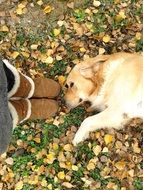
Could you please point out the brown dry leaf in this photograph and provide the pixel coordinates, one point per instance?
(67, 184)
(70, 5)
(9, 161)
(78, 28)
(136, 147)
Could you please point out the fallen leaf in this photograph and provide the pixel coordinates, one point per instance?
(9, 161)
(48, 9)
(15, 54)
(106, 38)
(67, 184)
(61, 175)
(108, 138)
(68, 147)
(96, 3)
(44, 183)
(25, 54)
(74, 168)
(120, 165)
(19, 185)
(56, 31)
(4, 28)
(61, 79)
(90, 166)
(97, 149)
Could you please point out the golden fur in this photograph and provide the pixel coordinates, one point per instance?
(113, 84)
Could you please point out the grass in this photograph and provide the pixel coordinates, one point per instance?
(34, 141)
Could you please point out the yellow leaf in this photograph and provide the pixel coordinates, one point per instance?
(74, 168)
(37, 139)
(82, 50)
(61, 175)
(97, 149)
(138, 35)
(25, 54)
(49, 60)
(96, 3)
(108, 138)
(40, 2)
(19, 185)
(61, 79)
(44, 183)
(47, 9)
(4, 28)
(90, 166)
(55, 146)
(122, 14)
(56, 32)
(21, 6)
(19, 11)
(34, 46)
(50, 187)
(68, 147)
(14, 54)
(50, 158)
(106, 38)
(120, 165)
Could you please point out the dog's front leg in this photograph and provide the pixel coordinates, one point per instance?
(109, 118)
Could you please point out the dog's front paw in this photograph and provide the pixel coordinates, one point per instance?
(82, 133)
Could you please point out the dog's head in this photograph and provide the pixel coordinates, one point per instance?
(84, 80)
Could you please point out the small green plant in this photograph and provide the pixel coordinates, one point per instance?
(138, 184)
(79, 15)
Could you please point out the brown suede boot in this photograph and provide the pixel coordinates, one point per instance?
(24, 109)
(22, 86)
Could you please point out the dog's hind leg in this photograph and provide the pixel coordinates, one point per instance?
(109, 118)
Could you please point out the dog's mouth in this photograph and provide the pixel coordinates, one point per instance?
(88, 106)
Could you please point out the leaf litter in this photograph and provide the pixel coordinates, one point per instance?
(46, 38)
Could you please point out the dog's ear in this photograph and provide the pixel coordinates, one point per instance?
(90, 66)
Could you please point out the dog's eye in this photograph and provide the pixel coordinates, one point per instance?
(80, 100)
(71, 84)
(66, 86)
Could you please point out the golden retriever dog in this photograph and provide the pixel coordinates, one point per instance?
(113, 84)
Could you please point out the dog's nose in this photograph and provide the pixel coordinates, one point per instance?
(87, 104)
